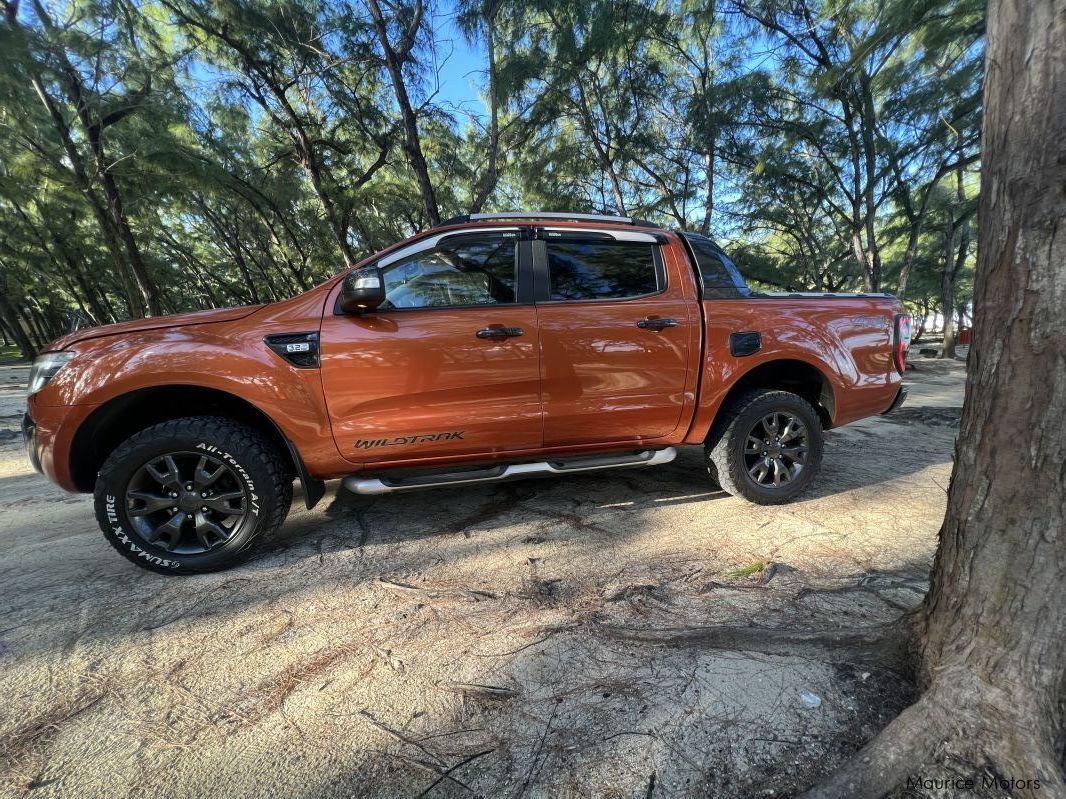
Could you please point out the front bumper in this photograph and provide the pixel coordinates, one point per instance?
(48, 432)
(29, 438)
(901, 397)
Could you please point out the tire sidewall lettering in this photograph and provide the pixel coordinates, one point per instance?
(119, 532)
(111, 508)
(218, 452)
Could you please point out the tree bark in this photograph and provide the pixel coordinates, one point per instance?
(993, 648)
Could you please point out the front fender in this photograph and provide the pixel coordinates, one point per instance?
(229, 357)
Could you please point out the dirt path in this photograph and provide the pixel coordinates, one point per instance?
(467, 641)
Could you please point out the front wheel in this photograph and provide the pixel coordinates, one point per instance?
(766, 446)
(192, 495)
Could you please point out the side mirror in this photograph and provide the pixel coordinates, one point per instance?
(363, 290)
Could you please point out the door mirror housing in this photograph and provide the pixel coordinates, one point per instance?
(363, 290)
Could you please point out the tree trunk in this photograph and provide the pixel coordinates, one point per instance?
(867, 122)
(146, 286)
(14, 326)
(993, 649)
(953, 264)
(708, 189)
(916, 221)
(947, 293)
(394, 58)
(491, 175)
(859, 254)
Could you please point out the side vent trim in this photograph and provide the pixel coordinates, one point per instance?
(298, 349)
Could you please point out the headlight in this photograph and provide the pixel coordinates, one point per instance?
(44, 369)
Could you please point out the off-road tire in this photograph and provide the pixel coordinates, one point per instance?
(254, 461)
(726, 442)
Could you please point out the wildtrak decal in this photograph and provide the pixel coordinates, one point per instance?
(399, 441)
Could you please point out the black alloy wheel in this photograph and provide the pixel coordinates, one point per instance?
(765, 446)
(193, 495)
(776, 450)
(186, 502)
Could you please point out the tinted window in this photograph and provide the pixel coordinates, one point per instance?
(721, 280)
(598, 270)
(467, 270)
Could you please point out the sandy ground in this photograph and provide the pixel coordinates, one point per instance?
(471, 641)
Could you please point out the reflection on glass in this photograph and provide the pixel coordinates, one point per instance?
(595, 270)
(472, 271)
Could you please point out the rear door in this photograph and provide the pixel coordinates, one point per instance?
(616, 333)
(449, 365)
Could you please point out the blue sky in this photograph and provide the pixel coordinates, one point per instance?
(462, 70)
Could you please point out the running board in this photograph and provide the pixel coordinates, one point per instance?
(494, 474)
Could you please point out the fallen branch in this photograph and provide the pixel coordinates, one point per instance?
(432, 768)
(480, 691)
(422, 594)
(446, 775)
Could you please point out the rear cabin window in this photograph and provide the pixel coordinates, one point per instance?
(721, 280)
(601, 270)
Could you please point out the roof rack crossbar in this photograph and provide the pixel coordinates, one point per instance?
(624, 220)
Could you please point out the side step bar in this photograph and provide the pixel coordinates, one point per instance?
(494, 474)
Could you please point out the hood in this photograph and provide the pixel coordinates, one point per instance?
(155, 323)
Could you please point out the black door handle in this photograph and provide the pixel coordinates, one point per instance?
(655, 323)
(500, 332)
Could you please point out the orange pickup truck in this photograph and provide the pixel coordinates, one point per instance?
(493, 346)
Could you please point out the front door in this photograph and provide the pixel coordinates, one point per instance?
(615, 336)
(448, 365)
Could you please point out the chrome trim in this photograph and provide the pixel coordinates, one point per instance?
(617, 235)
(375, 486)
(625, 220)
(433, 241)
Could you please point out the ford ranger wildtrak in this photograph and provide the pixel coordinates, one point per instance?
(494, 346)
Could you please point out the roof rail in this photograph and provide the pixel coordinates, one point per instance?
(624, 220)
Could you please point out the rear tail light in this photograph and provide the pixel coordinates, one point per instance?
(901, 340)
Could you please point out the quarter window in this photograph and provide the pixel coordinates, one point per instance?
(720, 277)
(463, 270)
(600, 270)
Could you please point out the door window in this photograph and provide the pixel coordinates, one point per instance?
(601, 270)
(461, 270)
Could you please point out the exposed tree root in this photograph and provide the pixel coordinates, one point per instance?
(885, 762)
(1006, 751)
(885, 645)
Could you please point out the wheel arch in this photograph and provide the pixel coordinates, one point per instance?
(789, 374)
(118, 419)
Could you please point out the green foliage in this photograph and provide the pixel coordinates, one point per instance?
(158, 155)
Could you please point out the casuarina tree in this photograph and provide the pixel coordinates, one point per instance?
(992, 637)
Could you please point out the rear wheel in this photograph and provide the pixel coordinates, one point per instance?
(192, 495)
(766, 446)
